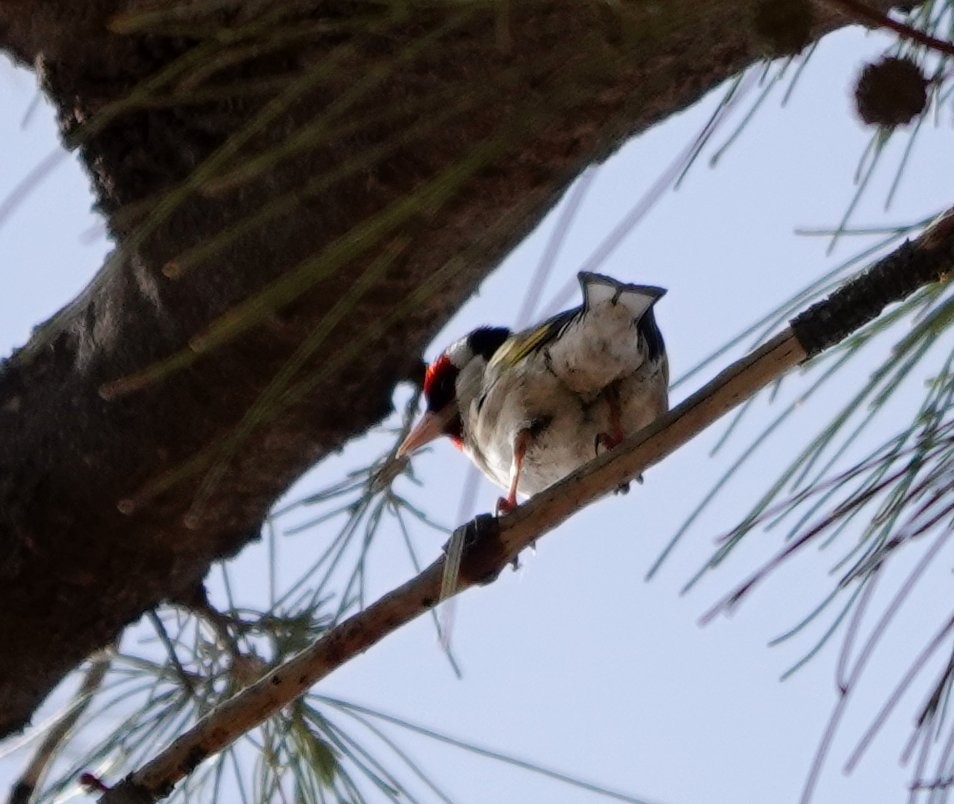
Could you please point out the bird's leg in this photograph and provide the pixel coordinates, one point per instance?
(615, 434)
(506, 504)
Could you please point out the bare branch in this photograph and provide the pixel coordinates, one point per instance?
(491, 543)
(874, 17)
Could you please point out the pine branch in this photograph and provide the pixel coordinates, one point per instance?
(875, 17)
(490, 544)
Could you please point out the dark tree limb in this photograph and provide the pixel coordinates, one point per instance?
(225, 149)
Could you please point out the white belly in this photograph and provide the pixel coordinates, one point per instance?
(564, 425)
(596, 350)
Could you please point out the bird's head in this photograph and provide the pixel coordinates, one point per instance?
(450, 383)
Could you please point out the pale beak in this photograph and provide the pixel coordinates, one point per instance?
(430, 426)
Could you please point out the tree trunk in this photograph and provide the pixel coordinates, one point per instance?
(333, 178)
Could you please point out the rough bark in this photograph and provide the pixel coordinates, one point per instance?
(107, 504)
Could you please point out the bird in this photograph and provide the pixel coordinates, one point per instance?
(530, 407)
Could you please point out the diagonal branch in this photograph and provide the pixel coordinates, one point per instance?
(492, 543)
(874, 17)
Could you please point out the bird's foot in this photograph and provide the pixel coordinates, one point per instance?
(623, 488)
(505, 505)
(607, 440)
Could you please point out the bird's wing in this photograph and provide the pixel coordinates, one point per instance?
(596, 288)
(522, 344)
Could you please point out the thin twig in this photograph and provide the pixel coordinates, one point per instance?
(219, 622)
(187, 683)
(857, 9)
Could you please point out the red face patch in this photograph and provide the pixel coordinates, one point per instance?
(435, 377)
(440, 392)
(440, 384)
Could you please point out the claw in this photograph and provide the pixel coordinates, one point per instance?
(607, 440)
(505, 504)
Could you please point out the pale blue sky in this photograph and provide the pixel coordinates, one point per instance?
(575, 662)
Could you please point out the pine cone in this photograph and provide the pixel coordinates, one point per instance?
(891, 93)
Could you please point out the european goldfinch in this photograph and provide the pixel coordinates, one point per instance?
(530, 407)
